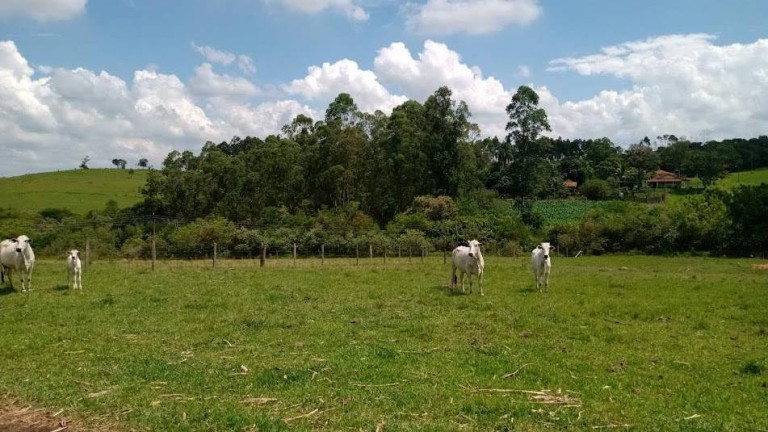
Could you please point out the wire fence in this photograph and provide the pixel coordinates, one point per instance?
(153, 238)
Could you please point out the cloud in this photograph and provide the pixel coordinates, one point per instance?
(207, 83)
(681, 84)
(524, 71)
(437, 66)
(53, 121)
(245, 64)
(352, 10)
(323, 83)
(214, 55)
(43, 10)
(475, 17)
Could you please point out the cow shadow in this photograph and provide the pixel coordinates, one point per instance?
(447, 291)
(61, 287)
(5, 290)
(530, 289)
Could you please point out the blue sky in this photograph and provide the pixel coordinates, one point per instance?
(557, 47)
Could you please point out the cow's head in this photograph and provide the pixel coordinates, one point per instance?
(22, 243)
(474, 248)
(74, 254)
(545, 248)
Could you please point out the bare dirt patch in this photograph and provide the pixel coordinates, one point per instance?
(17, 417)
(761, 266)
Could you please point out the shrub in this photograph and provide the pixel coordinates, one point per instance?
(596, 189)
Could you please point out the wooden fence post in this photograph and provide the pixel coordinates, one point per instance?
(87, 253)
(154, 252)
(357, 255)
(263, 257)
(409, 254)
(214, 255)
(322, 254)
(294, 254)
(370, 251)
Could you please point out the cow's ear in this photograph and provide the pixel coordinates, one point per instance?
(15, 240)
(29, 241)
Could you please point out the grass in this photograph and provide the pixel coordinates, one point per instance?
(569, 210)
(656, 343)
(78, 190)
(751, 178)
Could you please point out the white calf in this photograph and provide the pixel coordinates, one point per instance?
(467, 260)
(17, 255)
(542, 264)
(74, 270)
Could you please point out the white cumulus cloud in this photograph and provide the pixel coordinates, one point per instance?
(43, 10)
(681, 84)
(469, 16)
(214, 55)
(325, 82)
(52, 122)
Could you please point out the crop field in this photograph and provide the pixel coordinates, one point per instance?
(78, 190)
(619, 343)
(559, 211)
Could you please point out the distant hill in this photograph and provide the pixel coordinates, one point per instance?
(78, 190)
(754, 177)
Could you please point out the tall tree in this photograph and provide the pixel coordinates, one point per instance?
(526, 123)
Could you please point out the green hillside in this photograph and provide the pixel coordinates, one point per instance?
(77, 190)
(754, 177)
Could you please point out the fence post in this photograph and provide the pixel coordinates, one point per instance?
(322, 254)
(294, 254)
(398, 251)
(214, 254)
(154, 246)
(423, 252)
(357, 255)
(370, 251)
(263, 257)
(87, 253)
(444, 254)
(409, 254)
(385, 255)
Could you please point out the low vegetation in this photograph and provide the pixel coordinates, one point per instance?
(643, 343)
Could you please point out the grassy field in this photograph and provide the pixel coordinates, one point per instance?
(752, 178)
(638, 343)
(77, 190)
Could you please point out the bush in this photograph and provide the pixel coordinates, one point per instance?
(596, 189)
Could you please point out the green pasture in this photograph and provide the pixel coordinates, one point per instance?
(78, 190)
(635, 342)
(750, 178)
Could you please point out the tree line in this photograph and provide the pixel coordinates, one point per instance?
(383, 162)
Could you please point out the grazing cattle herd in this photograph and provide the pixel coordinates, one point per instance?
(16, 255)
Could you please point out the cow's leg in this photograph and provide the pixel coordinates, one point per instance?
(463, 289)
(29, 280)
(547, 279)
(470, 282)
(480, 276)
(538, 281)
(453, 278)
(21, 278)
(9, 275)
(80, 280)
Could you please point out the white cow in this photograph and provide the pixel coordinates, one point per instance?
(542, 264)
(17, 255)
(74, 269)
(468, 260)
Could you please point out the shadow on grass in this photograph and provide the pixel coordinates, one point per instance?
(529, 289)
(5, 290)
(449, 292)
(61, 287)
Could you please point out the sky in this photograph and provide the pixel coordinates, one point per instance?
(136, 79)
